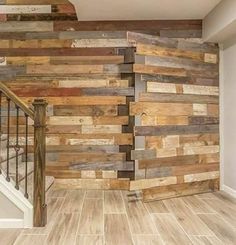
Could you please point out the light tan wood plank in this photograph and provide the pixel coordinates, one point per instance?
(147, 240)
(186, 218)
(117, 230)
(94, 194)
(205, 240)
(222, 229)
(30, 239)
(89, 240)
(156, 207)
(113, 202)
(73, 201)
(64, 230)
(139, 219)
(226, 211)
(196, 205)
(9, 236)
(169, 229)
(91, 220)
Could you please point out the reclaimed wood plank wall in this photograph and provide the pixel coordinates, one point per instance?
(84, 70)
(177, 116)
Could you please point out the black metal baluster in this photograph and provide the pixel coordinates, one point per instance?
(0, 112)
(0, 124)
(26, 156)
(17, 148)
(8, 136)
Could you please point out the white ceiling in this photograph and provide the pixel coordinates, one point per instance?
(143, 9)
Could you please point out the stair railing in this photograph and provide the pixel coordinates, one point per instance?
(9, 101)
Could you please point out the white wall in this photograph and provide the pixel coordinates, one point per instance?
(228, 108)
(8, 210)
(220, 24)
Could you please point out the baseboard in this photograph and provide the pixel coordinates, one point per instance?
(229, 190)
(11, 223)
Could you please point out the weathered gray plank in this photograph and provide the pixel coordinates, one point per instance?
(175, 130)
(165, 97)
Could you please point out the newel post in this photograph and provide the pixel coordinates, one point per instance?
(40, 207)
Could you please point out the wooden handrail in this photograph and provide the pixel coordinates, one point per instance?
(38, 115)
(15, 99)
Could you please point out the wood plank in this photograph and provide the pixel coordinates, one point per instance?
(201, 176)
(147, 239)
(9, 236)
(149, 183)
(148, 69)
(24, 9)
(96, 110)
(156, 207)
(197, 205)
(73, 201)
(113, 202)
(170, 230)
(85, 100)
(54, 51)
(15, 26)
(91, 220)
(64, 229)
(90, 240)
(211, 240)
(223, 230)
(190, 222)
(118, 232)
(161, 109)
(184, 189)
(138, 25)
(226, 211)
(96, 184)
(178, 98)
(139, 219)
(143, 154)
(28, 239)
(174, 130)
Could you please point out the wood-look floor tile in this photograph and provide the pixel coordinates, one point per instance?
(139, 218)
(170, 230)
(91, 220)
(226, 211)
(54, 207)
(64, 230)
(147, 240)
(190, 222)
(8, 236)
(113, 202)
(30, 239)
(206, 196)
(57, 192)
(89, 240)
(73, 201)
(225, 197)
(197, 205)
(156, 207)
(94, 194)
(223, 230)
(205, 240)
(117, 230)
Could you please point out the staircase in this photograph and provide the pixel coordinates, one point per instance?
(24, 176)
(22, 163)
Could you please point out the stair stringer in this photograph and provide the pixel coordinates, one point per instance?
(18, 199)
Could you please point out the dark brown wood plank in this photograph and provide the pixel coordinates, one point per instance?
(128, 25)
